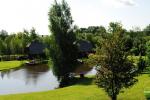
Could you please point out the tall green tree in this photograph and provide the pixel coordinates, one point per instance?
(147, 30)
(63, 50)
(148, 51)
(3, 34)
(33, 34)
(139, 47)
(114, 70)
(115, 27)
(1, 47)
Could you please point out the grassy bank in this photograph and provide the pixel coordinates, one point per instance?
(10, 64)
(85, 90)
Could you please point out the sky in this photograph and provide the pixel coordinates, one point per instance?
(16, 15)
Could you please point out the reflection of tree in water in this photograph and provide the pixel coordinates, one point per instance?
(81, 70)
(30, 74)
(7, 72)
(34, 72)
(2, 73)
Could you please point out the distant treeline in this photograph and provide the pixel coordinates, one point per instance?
(136, 39)
(15, 44)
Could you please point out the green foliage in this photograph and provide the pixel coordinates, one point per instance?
(92, 34)
(47, 53)
(114, 70)
(114, 27)
(147, 93)
(148, 49)
(33, 34)
(141, 64)
(138, 43)
(63, 51)
(147, 30)
(17, 42)
(3, 34)
(128, 42)
(1, 47)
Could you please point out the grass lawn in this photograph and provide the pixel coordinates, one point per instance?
(85, 90)
(147, 93)
(10, 64)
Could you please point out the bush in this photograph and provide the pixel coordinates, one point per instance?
(141, 64)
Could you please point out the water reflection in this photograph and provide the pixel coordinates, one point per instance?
(27, 79)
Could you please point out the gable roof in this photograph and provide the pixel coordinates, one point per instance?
(36, 47)
(84, 46)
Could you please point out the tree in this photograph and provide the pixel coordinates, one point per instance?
(141, 64)
(8, 46)
(114, 70)
(3, 34)
(93, 29)
(147, 30)
(1, 47)
(63, 51)
(128, 42)
(148, 51)
(138, 44)
(115, 27)
(33, 34)
(101, 30)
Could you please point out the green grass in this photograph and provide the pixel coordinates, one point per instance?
(85, 90)
(137, 91)
(147, 93)
(10, 64)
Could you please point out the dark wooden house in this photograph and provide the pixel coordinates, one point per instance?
(84, 48)
(35, 49)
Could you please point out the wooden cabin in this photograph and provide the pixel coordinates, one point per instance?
(84, 48)
(35, 49)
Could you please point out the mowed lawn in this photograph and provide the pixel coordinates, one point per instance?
(10, 64)
(85, 90)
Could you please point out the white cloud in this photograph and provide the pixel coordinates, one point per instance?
(118, 3)
(127, 2)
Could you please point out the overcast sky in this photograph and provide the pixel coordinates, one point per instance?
(16, 15)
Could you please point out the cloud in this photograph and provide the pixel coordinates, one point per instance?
(118, 3)
(127, 2)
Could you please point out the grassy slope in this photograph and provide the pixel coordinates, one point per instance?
(10, 64)
(137, 91)
(85, 91)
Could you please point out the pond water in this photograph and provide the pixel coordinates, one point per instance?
(29, 79)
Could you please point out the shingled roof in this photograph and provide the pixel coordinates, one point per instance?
(35, 47)
(84, 46)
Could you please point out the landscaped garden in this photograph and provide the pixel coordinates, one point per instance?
(85, 90)
(72, 62)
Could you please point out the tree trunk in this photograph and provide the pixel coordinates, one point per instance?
(81, 75)
(114, 97)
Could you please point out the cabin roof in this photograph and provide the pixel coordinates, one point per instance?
(35, 47)
(84, 46)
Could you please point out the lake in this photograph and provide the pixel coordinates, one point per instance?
(29, 79)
